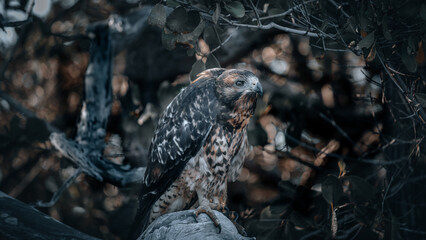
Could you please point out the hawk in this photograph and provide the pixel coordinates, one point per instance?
(199, 144)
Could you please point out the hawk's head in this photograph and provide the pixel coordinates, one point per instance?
(236, 89)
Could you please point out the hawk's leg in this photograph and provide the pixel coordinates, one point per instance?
(207, 210)
(204, 207)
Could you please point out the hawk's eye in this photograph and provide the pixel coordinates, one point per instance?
(239, 83)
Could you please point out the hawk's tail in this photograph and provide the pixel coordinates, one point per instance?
(142, 216)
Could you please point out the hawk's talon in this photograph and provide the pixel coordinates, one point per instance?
(195, 217)
(226, 211)
(236, 216)
(233, 216)
(210, 213)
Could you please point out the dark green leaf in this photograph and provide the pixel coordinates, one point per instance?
(197, 68)
(157, 17)
(192, 37)
(213, 35)
(361, 190)
(235, 8)
(193, 21)
(212, 62)
(331, 189)
(172, 3)
(423, 12)
(216, 13)
(367, 41)
(177, 19)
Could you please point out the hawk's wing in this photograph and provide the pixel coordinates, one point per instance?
(180, 134)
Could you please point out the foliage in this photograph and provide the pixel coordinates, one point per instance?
(380, 30)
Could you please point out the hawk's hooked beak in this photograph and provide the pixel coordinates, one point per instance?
(258, 89)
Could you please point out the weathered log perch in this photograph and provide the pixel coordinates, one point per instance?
(183, 226)
(20, 221)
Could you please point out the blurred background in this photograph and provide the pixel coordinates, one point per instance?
(329, 159)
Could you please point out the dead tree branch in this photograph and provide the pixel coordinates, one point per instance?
(57, 194)
(87, 149)
(20, 221)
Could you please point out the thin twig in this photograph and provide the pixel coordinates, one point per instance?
(339, 7)
(388, 187)
(364, 160)
(263, 27)
(411, 101)
(255, 13)
(19, 188)
(58, 193)
(341, 131)
(224, 42)
(295, 158)
(284, 13)
(273, 25)
(412, 230)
